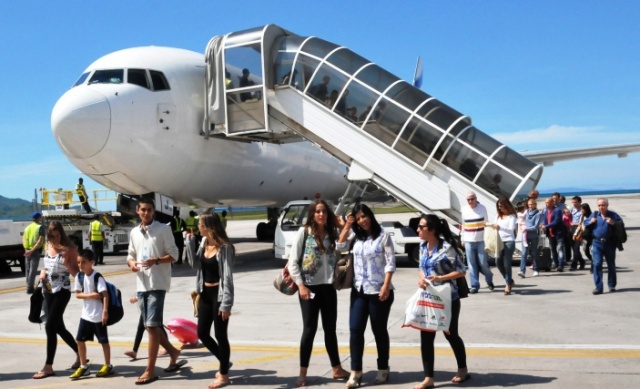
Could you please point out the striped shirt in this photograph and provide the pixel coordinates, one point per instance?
(473, 220)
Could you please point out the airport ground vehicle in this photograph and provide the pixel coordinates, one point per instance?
(59, 205)
(294, 215)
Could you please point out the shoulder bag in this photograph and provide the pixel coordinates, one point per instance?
(283, 281)
(343, 272)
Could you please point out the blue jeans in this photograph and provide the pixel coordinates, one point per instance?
(363, 307)
(532, 248)
(557, 250)
(503, 262)
(608, 251)
(151, 306)
(477, 261)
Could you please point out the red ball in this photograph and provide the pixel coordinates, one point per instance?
(534, 194)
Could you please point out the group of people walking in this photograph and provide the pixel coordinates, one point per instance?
(568, 230)
(313, 256)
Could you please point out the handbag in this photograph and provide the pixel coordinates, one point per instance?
(35, 308)
(283, 281)
(343, 273)
(463, 287)
(429, 309)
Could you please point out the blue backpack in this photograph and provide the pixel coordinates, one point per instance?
(115, 309)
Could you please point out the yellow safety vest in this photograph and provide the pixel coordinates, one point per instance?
(178, 225)
(96, 233)
(191, 222)
(31, 235)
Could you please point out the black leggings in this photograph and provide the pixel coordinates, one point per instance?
(325, 301)
(56, 304)
(208, 315)
(140, 332)
(427, 338)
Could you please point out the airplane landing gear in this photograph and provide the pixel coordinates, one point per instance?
(266, 231)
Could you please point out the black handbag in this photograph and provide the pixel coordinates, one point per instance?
(35, 310)
(463, 287)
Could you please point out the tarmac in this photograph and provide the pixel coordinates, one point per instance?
(550, 333)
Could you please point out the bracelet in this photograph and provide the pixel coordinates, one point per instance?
(158, 261)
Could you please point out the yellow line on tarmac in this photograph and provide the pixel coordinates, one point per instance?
(489, 352)
(23, 288)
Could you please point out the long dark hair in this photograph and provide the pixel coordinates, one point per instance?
(586, 209)
(508, 207)
(212, 222)
(440, 228)
(64, 239)
(361, 234)
(330, 227)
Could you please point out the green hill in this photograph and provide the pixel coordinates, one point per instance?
(16, 209)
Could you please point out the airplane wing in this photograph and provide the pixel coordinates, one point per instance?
(547, 158)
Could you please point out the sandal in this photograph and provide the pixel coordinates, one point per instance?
(76, 364)
(43, 374)
(218, 383)
(301, 381)
(458, 379)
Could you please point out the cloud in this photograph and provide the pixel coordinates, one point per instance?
(563, 137)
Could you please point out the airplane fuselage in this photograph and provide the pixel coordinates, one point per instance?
(137, 138)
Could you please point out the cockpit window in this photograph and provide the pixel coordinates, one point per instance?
(111, 76)
(82, 79)
(137, 77)
(159, 80)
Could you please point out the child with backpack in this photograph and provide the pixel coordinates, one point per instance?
(92, 288)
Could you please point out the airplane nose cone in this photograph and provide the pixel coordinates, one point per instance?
(81, 121)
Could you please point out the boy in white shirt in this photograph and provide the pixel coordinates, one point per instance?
(94, 315)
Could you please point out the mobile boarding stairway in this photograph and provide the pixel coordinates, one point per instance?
(387, 131)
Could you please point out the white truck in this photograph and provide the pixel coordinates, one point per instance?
(78, 227)
(294, 215)
(11, 249)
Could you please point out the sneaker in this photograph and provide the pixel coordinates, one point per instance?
(535, 273)
(81, 372)
(473, 290)
(490, 285)
(105, 371)
(521, 274)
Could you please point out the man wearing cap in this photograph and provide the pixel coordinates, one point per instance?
(32, 241)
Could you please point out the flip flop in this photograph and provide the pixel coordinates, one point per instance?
(461, 379)
(148, 380)
(41, 374)
(176, 366)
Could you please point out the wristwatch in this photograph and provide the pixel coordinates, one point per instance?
(158, 261)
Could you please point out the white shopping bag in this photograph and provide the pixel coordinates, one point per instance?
(429, 309)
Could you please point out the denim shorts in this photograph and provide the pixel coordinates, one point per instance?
(151, 306)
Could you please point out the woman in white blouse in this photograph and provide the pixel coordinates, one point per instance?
(506, 223)
(372, 292)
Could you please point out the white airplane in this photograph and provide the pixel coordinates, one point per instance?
(142, 120)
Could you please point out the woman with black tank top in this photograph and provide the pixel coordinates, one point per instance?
(214, 282)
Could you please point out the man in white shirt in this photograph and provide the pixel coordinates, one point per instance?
(152, 250)
(474, 219)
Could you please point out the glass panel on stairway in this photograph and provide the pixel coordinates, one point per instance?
(318, 47)
(346, 60)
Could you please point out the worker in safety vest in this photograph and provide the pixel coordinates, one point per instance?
(97, 240)
(178, 227)
(192, 226)
(33, 241)
(82, 196)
